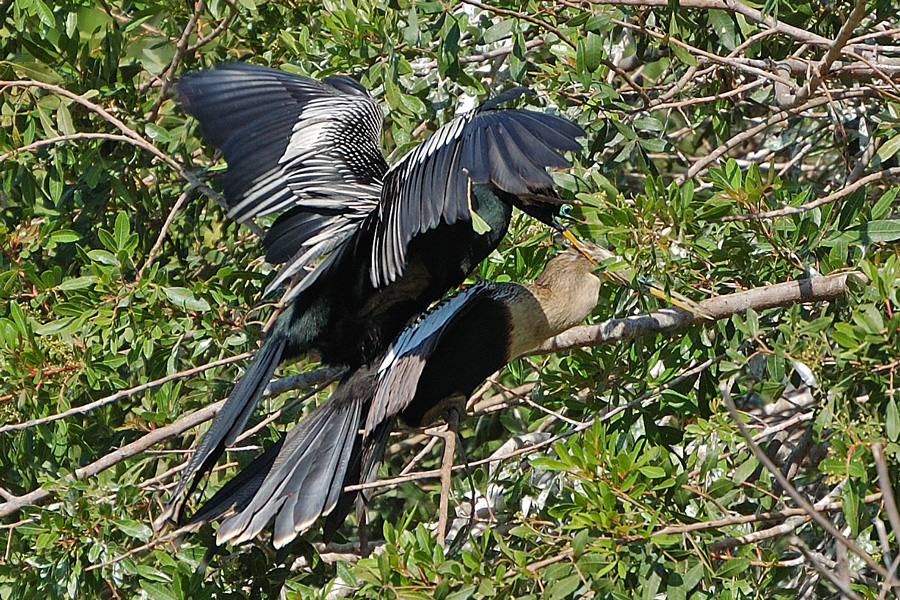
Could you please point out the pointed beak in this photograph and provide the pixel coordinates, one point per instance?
(597, 254)
(581, 246)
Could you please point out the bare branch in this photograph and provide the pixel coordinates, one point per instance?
(157, 436)
(217, 30)
(669, 319)
(834, 51)
(793, 210)
(742, 137)
(66, 138)
(884, 481)
(136, 138)
(151, 256)
(731, 6)
(180, 47)
(80, 410)
(788, 487)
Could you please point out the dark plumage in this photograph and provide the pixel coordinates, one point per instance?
(389, 241)
(442, 357)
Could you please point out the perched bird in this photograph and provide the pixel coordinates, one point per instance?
(389, 241)
(432, 366)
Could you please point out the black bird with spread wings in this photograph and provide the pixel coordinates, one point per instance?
(364, 247)
(435, 362)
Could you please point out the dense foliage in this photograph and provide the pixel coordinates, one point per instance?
(126, 290)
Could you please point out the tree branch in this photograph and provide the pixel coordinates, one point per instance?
(799, 498)
(793, 210)
(721, 307)
(834, 51)
(157, 436)
(136, 138)
(80, 410)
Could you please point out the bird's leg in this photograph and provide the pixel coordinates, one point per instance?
(361, 525)
(452, 410)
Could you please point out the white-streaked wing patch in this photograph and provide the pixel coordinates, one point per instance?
(400, 369)
(413, 198)
(292, 143)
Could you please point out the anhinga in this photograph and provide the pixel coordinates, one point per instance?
(389, 241)
(432, 367)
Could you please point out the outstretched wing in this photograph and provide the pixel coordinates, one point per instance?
(309, 149)
(508, 149)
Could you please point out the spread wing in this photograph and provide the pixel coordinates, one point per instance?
(305, 148)
(507, 149)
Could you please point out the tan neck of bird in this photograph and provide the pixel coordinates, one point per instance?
(561, 297)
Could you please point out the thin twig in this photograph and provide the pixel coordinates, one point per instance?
(794, 210)
(788, 487)
(217, 30)
(66, 138)
(156, 436)
(884, 481)
(136, 138)
(834, 51)
(80, 410)
(826, 571)
(180, 47)
(752, 132)
(151, 256)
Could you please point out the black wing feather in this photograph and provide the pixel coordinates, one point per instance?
(291, 141)
(485, 148)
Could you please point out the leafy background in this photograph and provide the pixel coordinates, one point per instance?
(128, 296)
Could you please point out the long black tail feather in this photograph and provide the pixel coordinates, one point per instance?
(305, 479)
(230, 421)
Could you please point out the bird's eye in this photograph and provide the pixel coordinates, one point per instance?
(565, 210)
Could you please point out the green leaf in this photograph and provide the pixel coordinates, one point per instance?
(745, 470)
(104, 257)
(157, 591)
(888, 149)
(517, 59)
(593, 51)
(564, 587)
(850, 505)
(65, 236)
(156, 133)
(683, 55)
(53, 327)
(693, 576)
(18, 317)
(184, 298)
(892, 422)
(134, 529)
(883, 206)
(499, 31)
(29, 69)
(44, 12)
(122, 230)
(478, 224)
(579, 542)
(878, 231)
(64, 120)
(652, 472)
(733, 568)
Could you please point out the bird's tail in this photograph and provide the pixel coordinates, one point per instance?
(231, 419)
(298, 481)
